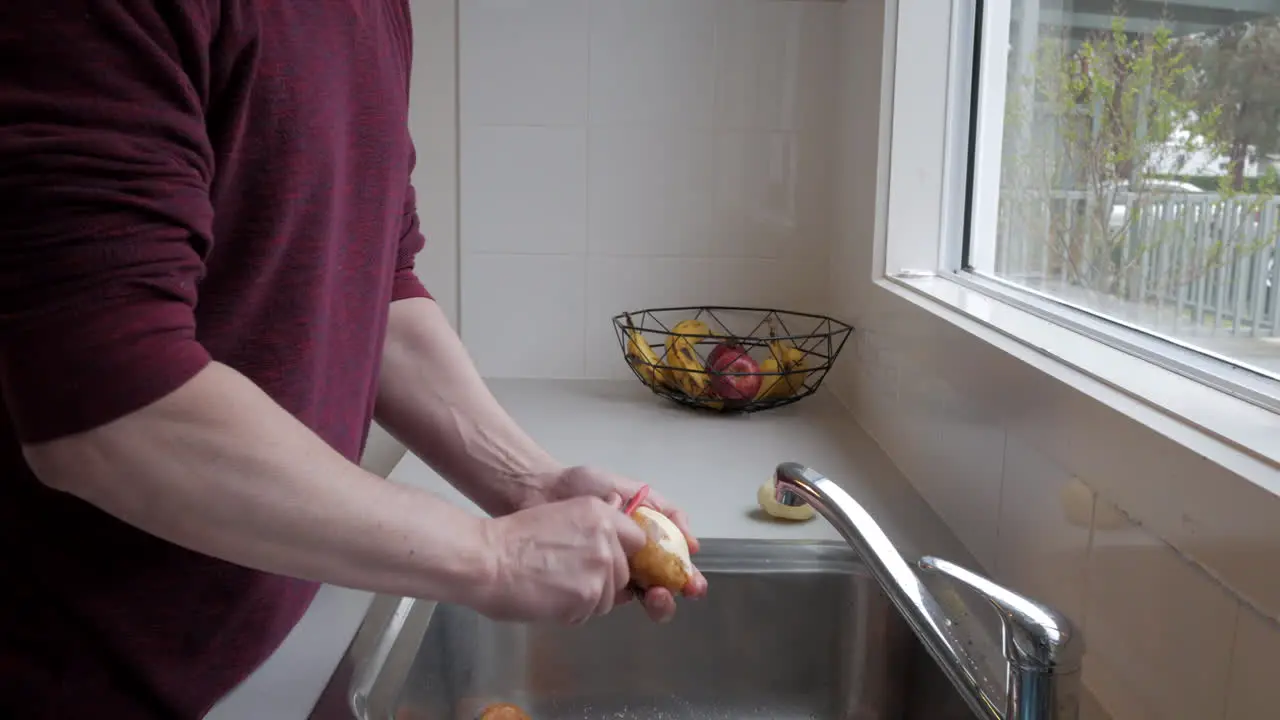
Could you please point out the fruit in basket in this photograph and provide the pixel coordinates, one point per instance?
(642, 357)
(784, 357)
(691, 327)
(725, 362)
(687, 333)
(774, 386)
(689, 372)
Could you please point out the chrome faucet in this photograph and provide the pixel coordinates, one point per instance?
(1042, 650)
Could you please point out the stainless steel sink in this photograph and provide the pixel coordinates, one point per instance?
(789, 630)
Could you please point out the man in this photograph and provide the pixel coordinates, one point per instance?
(207, 237)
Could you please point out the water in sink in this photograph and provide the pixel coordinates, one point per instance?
(788, 631)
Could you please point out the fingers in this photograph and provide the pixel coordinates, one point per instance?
(659, 604)
(615, 589)
(697, 586)
(682, 521)
(624, 595)
(619, 578)
(627, 539)
(610, 487)
(630, 535)
(677, 516)
(608, 598)
(604, 592)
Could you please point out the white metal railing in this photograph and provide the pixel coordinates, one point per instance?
(1191, 265)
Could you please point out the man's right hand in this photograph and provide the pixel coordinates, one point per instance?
(564, 561)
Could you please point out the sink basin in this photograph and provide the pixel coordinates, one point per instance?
(788, 630)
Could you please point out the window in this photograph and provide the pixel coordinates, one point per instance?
(1126, 175)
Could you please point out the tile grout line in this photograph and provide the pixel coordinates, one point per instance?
(1198, 566)
(1004, 469)
(1088, 562)
(457, 162)
(1231, 659)
(586, 202)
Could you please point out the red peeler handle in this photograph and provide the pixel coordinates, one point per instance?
(636, 501)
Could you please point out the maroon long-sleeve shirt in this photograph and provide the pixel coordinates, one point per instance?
(180, 182)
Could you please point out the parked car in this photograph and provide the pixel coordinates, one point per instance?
(1161, 189)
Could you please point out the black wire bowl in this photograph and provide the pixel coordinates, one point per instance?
(694, 355)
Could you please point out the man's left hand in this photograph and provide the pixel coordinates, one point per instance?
(572, 482)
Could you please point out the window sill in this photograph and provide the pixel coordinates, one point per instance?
(1227, 430)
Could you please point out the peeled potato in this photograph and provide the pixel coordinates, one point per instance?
(770, 505)
(503, 711)
(664, 560)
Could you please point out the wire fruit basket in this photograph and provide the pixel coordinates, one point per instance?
(729, 359)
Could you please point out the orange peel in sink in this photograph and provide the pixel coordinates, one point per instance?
(503, 711)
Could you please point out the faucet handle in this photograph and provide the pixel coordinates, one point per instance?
(1036, 637)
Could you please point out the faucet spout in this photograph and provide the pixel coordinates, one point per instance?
(1042, 649)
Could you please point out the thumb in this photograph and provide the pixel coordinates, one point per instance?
(630, 535)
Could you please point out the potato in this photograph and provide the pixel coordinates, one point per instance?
(664, 560)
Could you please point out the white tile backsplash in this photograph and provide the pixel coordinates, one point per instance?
(757, 188)
(652, 192)
(523, 314)
(433, 125)
(1046, 517)
(966, 493)
(768, 55)
(433, 80)
(435, 182)
(523, 62)
(653, 62)
(1160, 632)
(524, 189)
(673, 148)
(760, 49)
(1252, 690)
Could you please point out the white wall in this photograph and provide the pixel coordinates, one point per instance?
(433, 122)
(1054, 492)
(621, 154)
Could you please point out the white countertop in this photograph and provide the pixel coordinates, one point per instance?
(709, 465)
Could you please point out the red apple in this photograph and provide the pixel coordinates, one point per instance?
(727, 358)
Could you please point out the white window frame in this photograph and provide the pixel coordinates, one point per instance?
(928, 72)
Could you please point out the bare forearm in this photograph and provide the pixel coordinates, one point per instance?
(432, 399)
(220, 468)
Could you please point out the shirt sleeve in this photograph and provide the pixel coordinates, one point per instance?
(105, 214)
(406, 283)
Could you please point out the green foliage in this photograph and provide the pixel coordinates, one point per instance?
(1091, 129)
(1237, 69)
(1114, 107)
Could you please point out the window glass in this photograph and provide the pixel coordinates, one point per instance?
(1140, 167)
